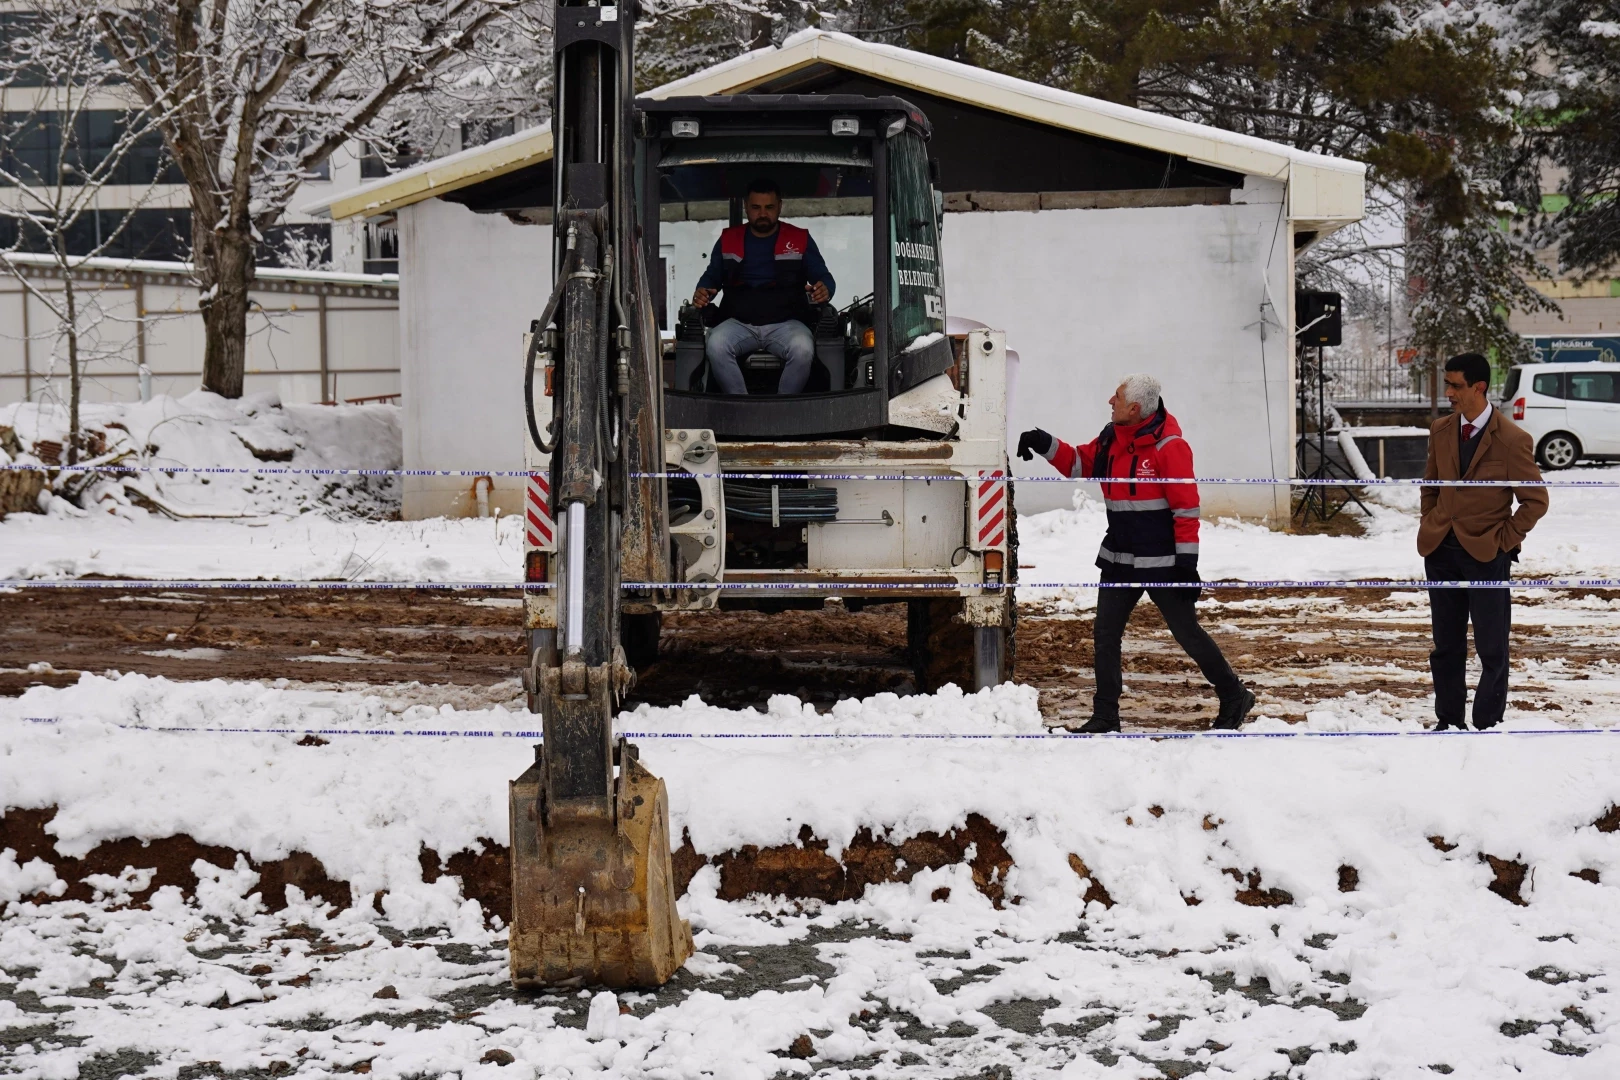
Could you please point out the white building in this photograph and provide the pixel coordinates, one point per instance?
(1102, 239)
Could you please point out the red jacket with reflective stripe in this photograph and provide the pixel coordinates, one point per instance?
(1152, 528)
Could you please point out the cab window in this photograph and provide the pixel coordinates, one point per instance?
(1548, 384)
(916, 278)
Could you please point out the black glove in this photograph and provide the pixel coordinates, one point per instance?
(1035, 441)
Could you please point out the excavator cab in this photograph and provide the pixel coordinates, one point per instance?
(854, 172)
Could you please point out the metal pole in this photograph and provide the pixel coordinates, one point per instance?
(140, 319)
(321, 319)
(28, 367)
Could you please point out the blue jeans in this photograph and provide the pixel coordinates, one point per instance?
(732, 340)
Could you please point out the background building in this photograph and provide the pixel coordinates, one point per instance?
(1103, 239)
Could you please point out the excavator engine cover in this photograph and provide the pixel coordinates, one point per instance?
(593, 898)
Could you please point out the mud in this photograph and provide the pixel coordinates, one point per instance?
(1296, 651)
(1508, 879)
(803, 871)
(171, 858)
(371, 637)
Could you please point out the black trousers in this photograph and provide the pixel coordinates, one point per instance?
(1491, 611)
(1114, 607)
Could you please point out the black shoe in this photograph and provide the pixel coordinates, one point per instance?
(1444, 724)
(1234, 711)
(1480, 725)
(1097, 725)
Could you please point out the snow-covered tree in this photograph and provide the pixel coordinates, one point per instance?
(1578, 119)
(254, 95)
(1424, 91)
(60, 153)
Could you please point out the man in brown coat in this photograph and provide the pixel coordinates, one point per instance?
(1473, 534)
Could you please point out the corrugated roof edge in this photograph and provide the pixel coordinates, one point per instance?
(449, 173)
(1325, 191)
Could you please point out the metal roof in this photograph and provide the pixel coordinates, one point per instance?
(1323, 192)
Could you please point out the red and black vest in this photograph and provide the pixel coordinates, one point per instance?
(779, 300)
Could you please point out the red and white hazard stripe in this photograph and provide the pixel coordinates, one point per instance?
(990, 510)
(542, 528)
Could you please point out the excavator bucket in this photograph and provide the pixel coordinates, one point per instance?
(593, 898)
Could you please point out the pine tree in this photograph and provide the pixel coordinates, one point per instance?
(1422, 91)
(1580, 131)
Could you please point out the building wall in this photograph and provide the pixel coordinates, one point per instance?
(128, 319)
(1088, 296)
(1586, 314)
(1085, 296)
(469, 285)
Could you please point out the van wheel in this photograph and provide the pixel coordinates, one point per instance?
(1559, 450)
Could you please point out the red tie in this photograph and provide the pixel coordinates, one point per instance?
(1468, 432)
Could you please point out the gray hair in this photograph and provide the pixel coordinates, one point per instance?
(1143, 390)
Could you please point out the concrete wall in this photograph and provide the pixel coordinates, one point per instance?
(1087, 296)
(469, 285)
(128, 318)
(1599, 315)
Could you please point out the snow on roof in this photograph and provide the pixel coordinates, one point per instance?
(1324, 191)
(155, 266)
(439, 176)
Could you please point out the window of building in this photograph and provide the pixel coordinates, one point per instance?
(479, 132)
(297, 247)
(382, 246)
(34, 152)
(159, 234)
(379, 161)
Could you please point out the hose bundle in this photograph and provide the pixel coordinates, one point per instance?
(798, 505)
(752, 502)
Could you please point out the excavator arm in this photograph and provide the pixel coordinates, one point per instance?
(593, 897)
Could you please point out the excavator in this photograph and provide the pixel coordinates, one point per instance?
(885, 480)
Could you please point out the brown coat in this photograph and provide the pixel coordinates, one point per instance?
(1482, 517)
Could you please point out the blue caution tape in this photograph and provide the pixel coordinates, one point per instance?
(973, 476)
(823, 586)
(871, 736)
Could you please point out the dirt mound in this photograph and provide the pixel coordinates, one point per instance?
(25, 832)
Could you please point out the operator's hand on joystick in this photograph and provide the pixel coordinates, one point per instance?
(817, 291)
(701, 297)
(1035, 441)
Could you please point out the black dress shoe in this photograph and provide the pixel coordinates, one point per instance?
(1097, 725)
(1234, 711)
(1486, 726)
(1444, 724)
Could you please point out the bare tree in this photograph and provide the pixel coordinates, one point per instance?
(60, 153)
(256, 94)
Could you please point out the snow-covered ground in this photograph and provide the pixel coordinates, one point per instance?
(204, 430)
(1420, 965)
(1417, 970)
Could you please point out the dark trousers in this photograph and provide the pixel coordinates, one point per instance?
(1114, 607)
(1451, 609)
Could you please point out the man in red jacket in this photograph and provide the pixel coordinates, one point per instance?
(1152, 537)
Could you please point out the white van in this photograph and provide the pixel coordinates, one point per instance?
(1571, 410)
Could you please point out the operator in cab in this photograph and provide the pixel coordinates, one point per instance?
(770, 273)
